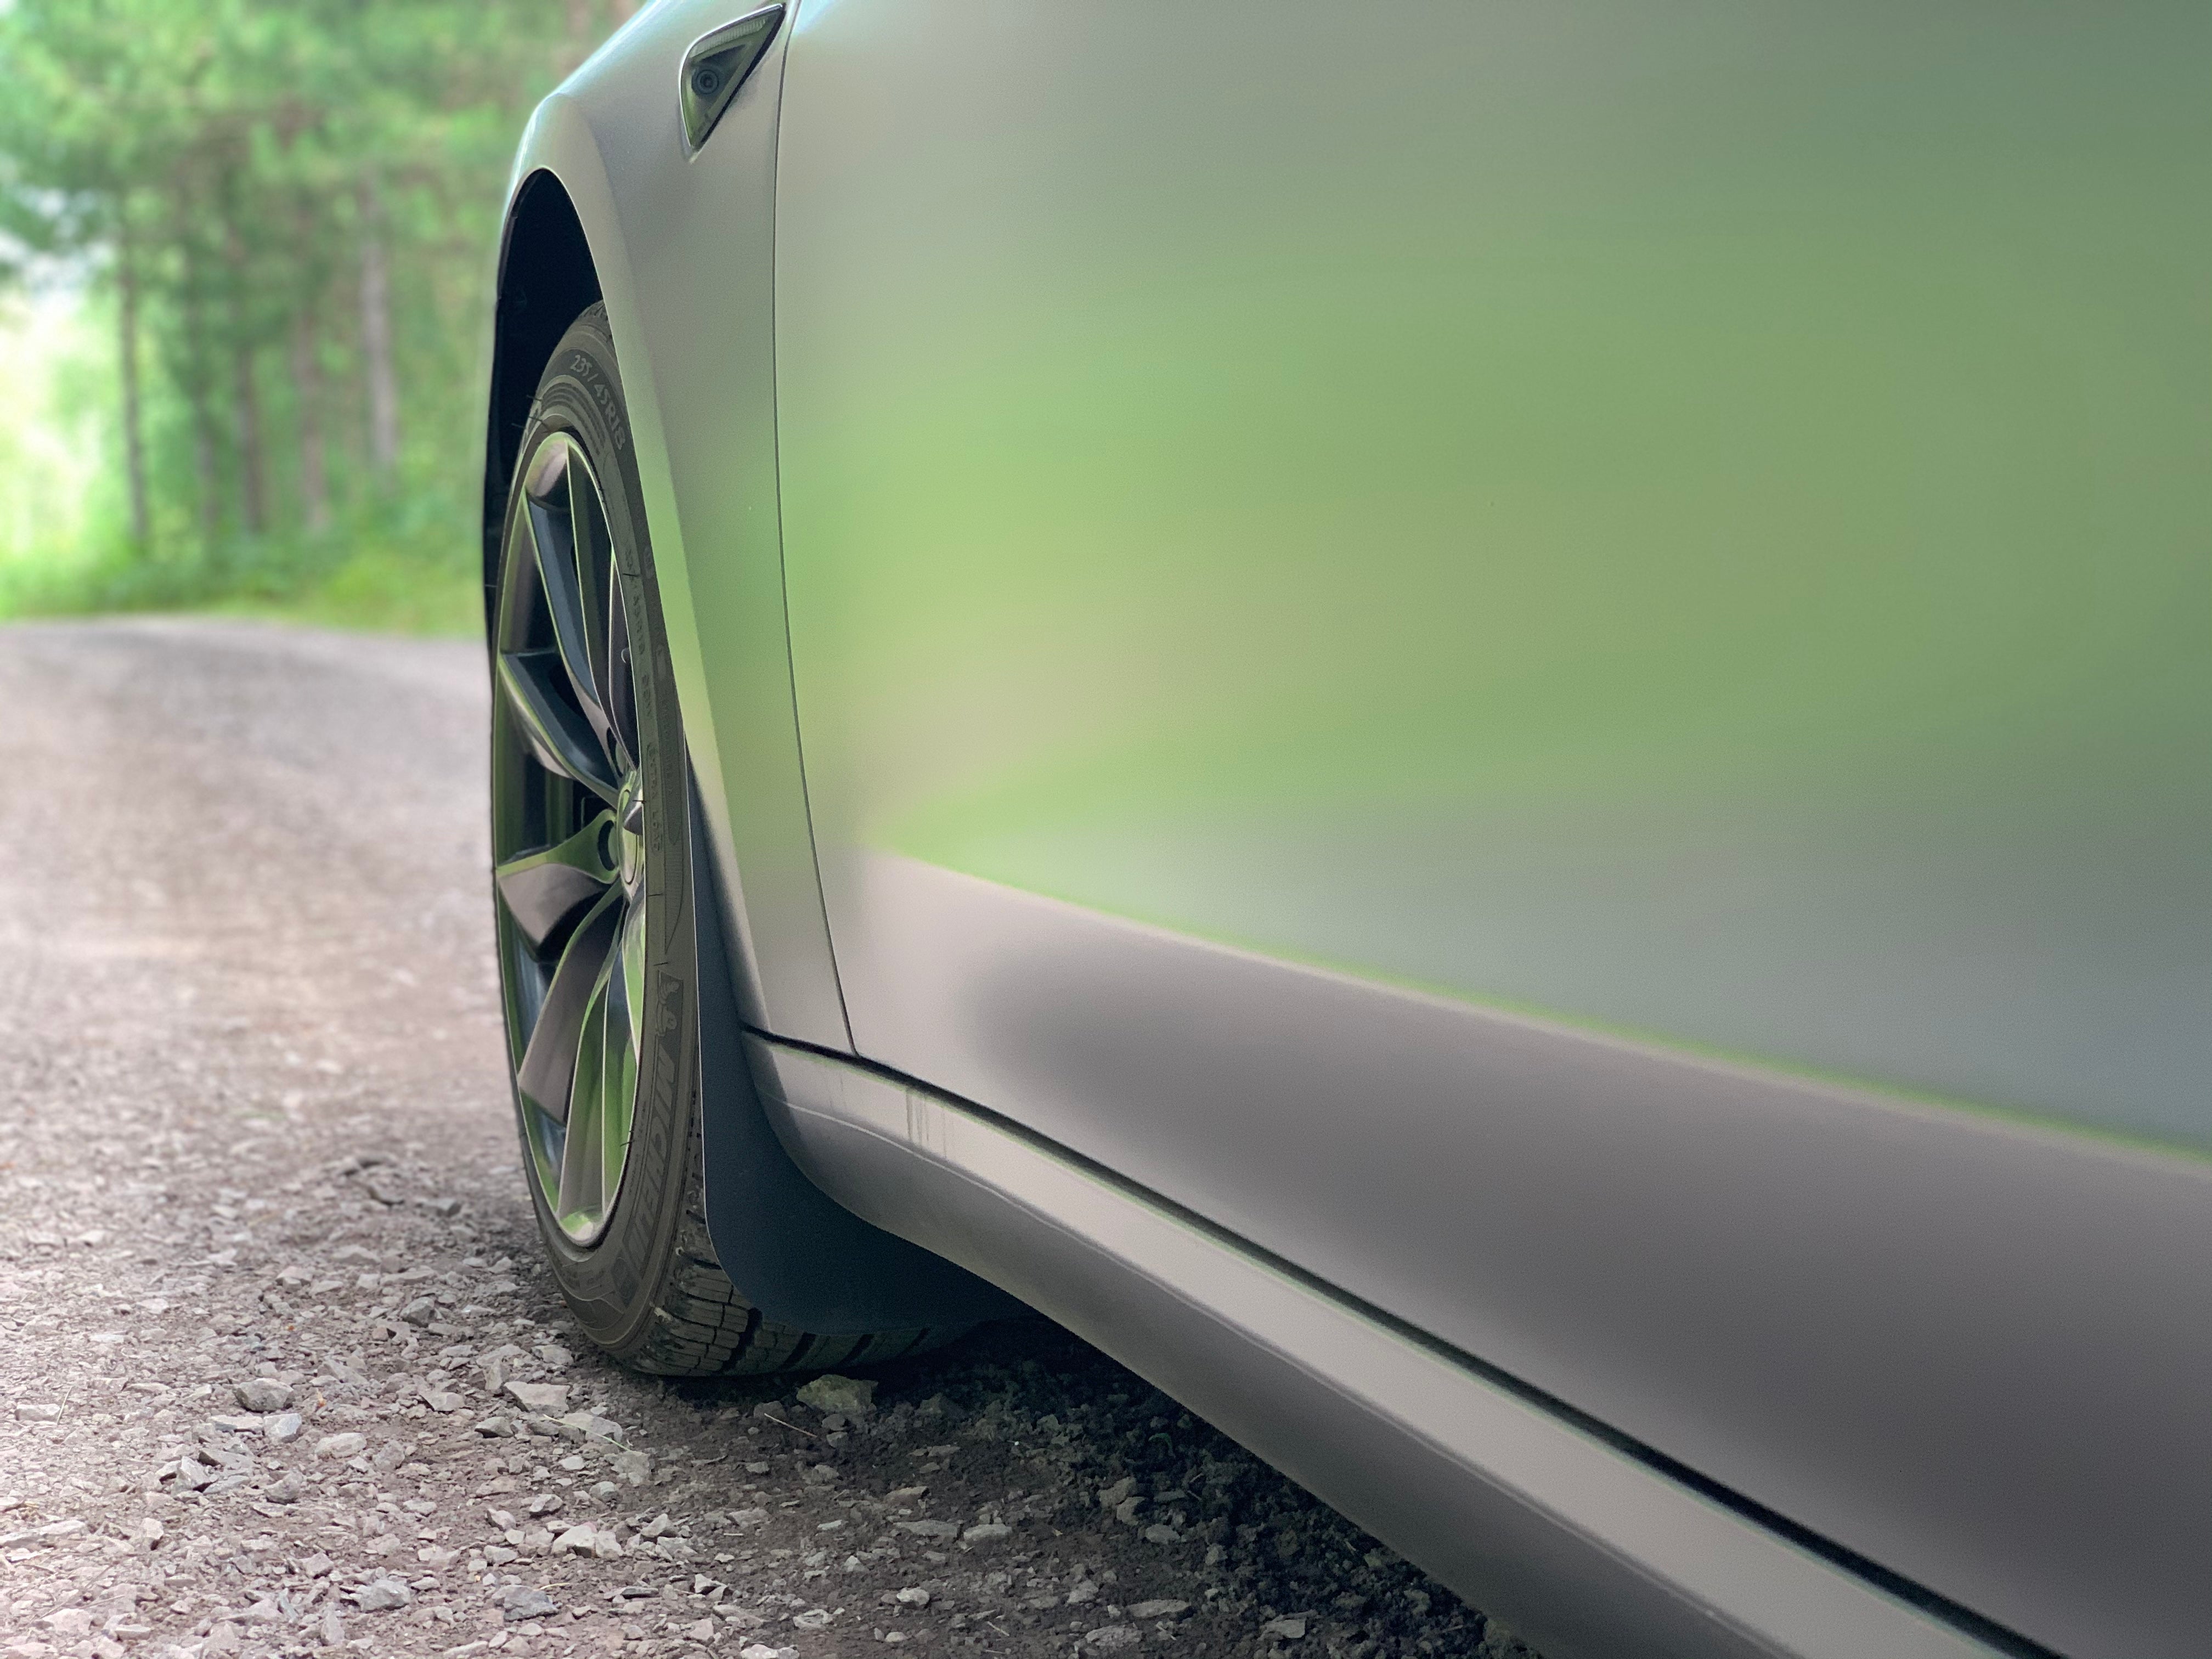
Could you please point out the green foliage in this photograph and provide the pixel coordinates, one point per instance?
(283, 213)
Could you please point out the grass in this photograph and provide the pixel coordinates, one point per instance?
(376, 591)
(370, 581)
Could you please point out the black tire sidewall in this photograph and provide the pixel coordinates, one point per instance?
(615, 1285)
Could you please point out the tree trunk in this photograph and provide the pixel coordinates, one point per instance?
(252, 474)
(308, 401)
(196, 381)
(578, 44)
(134, 441)
(376, 340)
(253, 470)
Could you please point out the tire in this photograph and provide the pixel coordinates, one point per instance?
(594, 912)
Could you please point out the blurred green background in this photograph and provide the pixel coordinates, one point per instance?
(245, 254)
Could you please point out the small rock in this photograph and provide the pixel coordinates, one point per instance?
(1162, 1536)
(436, 1557)
(290, 1489)
(550, 1398)
(703, 1631)
(38, 1414)
(1160, 1609)
(589, 1425)
(1112, 1638)
(315, 1566)
(924, 1528)
(70, 1621)
(634, 1467)
(1117, 1494)
(342, 1445)
(421, 1311)
(987, 1531)
(496, 1427)
(819, 1475)
(148, 1533)
(1127, 1511)
(915, 1597)
(448, 1207)
(382, 1595)
(832, 1393)
(1292, 1629)
(285, 1426)
(332, 1629)
(761, 1650)
(263, 1394)
(1085, 1591)
(439, 1400)
(812, 1619)
(520, 1601)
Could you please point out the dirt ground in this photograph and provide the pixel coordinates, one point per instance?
(279, 1370)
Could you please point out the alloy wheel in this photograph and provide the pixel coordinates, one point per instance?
(569, 843)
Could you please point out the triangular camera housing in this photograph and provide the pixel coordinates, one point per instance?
(716, 66)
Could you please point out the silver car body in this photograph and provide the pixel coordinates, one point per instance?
(1684, 1311)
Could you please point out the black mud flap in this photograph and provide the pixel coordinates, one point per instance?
(792, 1251)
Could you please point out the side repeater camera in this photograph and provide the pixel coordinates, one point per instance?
(716, 65)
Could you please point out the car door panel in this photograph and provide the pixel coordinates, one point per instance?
(1539, 656)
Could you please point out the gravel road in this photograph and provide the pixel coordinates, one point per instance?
(278, 1370)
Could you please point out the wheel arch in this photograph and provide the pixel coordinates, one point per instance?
(546, 279)
(605, 207)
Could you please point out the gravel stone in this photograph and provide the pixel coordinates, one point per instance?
(830, 1394)
(382, 1595)
(284, 1427)
(520, 1601)
(344, 1445)
(549, 1398)
(263, 1394)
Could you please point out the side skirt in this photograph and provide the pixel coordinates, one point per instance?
(1573, 1538)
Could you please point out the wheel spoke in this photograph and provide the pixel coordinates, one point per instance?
(549, 1064)
(563, 742)
(595, 577)
(624, 1048)
(543, 888)
(583, 1154)
(622, 690)
(553, 529)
